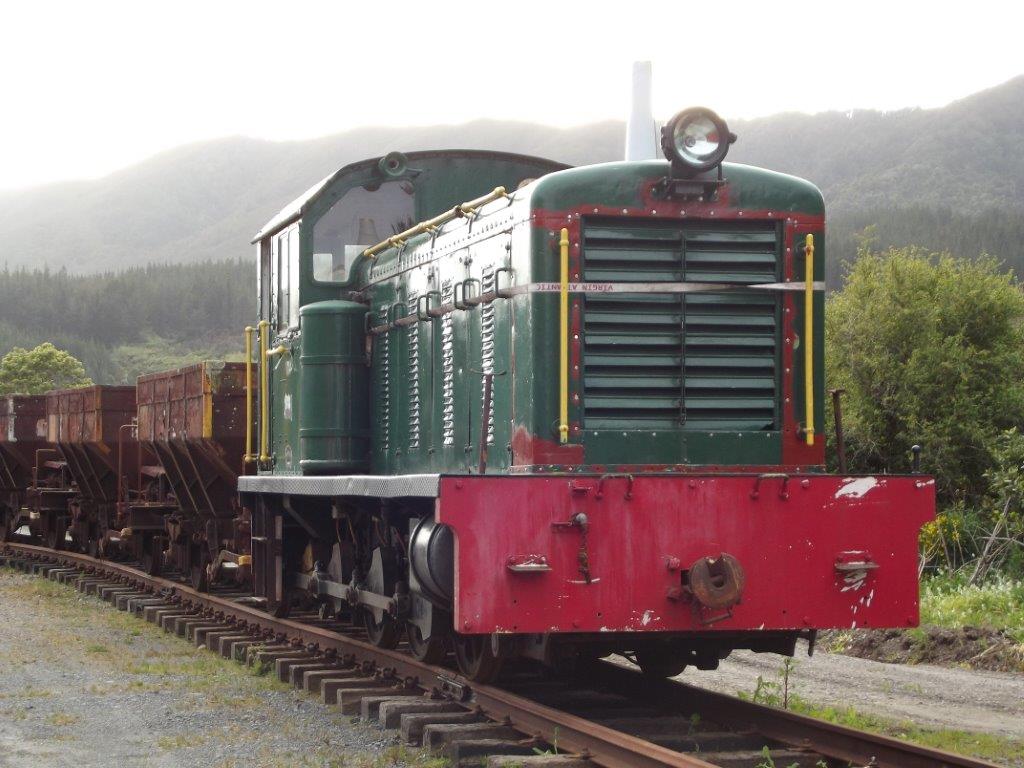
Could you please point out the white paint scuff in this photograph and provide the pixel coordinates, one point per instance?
(856, 488)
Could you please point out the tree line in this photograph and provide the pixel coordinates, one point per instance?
(995, 231)
(113, 320)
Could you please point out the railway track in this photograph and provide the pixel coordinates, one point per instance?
(613, 717)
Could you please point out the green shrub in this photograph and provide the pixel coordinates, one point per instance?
(930, 350)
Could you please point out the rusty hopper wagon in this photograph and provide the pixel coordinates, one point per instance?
(193, 420)
(91, 428)
(22, 442)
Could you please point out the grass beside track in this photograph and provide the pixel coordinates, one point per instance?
(946, 601)
(987, 746)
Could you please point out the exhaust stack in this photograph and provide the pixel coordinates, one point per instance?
(641, 133)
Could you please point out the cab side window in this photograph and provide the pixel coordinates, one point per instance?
(263, 277)
(293, 276)
(284, 268)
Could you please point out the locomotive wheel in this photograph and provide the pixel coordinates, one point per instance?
(385, 633)
(475, 658)
(5, 524)
(661, 662)
(429, 651)
(582, 665)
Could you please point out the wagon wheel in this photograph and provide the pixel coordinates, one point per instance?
(198, 575)
(384, 633)
(151, 555)
(280, 609)
(429, 651)
(56, 532)
(93, 545)
(79, 538)
(475, 657)
(6, 516)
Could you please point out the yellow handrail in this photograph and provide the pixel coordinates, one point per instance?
(264, 327)
(465, 209)
(249, 455)
(563, 367)
(809, 338)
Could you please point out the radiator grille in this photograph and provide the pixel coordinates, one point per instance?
(699, 361)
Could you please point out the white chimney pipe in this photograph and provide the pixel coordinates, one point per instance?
(641, 133)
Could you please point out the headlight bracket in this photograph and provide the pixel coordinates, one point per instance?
(684, 187)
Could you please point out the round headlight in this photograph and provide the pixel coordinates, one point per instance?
(697, 138)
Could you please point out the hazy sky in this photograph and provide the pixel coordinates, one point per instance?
(89, 87)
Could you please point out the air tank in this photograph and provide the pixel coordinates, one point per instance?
(334, 411)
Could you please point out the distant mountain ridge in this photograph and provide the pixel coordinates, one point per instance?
(204, 201)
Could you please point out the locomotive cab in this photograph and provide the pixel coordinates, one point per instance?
(311, 252)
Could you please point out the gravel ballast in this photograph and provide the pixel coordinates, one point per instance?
(84, 685)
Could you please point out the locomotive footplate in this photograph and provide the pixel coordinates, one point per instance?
(684, 553)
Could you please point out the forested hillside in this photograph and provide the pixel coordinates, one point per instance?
(141, 319)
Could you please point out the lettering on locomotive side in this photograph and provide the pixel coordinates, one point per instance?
(573, 287)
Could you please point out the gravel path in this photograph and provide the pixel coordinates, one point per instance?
(83, 685)
(930, 696)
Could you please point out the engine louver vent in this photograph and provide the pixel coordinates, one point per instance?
(699, 361)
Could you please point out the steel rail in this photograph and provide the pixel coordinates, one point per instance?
(603, 746)
(837, 741)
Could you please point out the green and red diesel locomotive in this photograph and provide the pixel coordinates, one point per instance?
(506, 408)
(578, 414)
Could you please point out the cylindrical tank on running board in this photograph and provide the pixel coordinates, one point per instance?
(334, 421)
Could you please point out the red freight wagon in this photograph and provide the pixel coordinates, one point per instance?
(193, 420)
(92, 429)
(22, 447)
